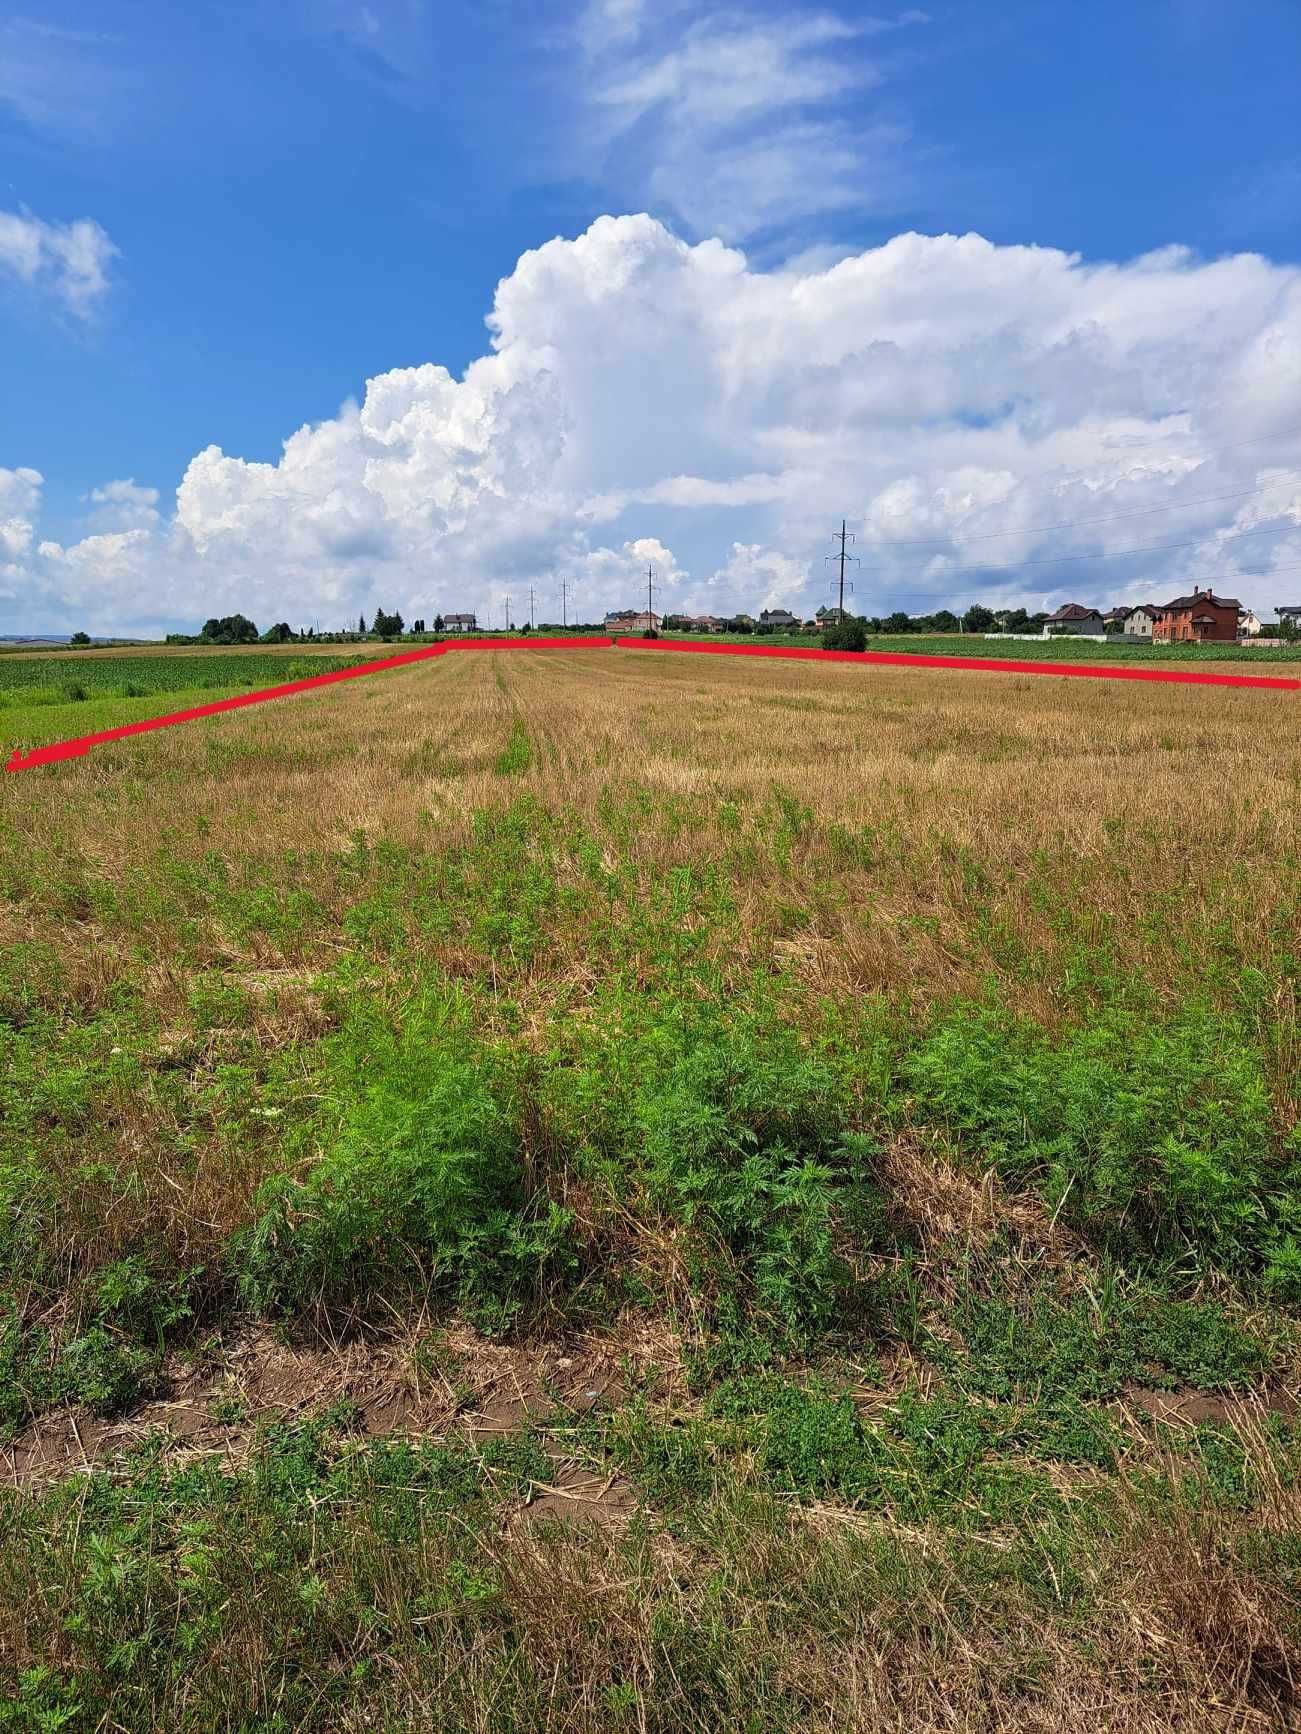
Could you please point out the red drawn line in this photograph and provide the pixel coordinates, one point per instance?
(902, 659)
(76, 749)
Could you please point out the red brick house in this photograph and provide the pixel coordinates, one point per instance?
(1202, 618)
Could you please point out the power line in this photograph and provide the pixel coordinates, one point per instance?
(1072, 523)
(844, 537)
(1213, 578)
(1231, 446)
(1120, 553)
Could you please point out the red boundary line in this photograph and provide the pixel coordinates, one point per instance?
(78, 748)
(902, 659)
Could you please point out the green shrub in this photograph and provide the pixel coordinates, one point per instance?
(743, 1140)
(844, 635)
(1149, 1138)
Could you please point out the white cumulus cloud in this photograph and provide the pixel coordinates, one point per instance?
(20, 500)
(69, 261)
(1009, 424)
(124, 505)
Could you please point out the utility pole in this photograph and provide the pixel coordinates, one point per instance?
(564, 596)
(843, 536)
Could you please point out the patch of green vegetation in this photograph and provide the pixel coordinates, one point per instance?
(103, 676)
(1152, 1137)
(1047, 1350)
(419, 1177)
(108, 1358)
(517, 755)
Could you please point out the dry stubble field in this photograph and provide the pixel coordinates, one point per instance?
(636, 1192)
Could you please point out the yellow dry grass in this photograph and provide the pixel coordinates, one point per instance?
(1155, 817)
(958, 825)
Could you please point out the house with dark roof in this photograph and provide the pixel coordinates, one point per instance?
(1073, 620)
(1202, 618)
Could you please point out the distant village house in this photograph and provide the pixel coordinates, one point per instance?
(630, 620)
(1073, 620)
(1131, 622)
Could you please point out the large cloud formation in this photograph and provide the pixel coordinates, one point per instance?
(1005, 423)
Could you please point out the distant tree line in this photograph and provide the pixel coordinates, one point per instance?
(239, 629)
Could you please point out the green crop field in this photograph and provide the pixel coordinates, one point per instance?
(53, 679)
(597, 1190)
(1064, 649)
(48, 697)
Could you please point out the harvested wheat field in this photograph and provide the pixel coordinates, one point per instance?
(630, 1192)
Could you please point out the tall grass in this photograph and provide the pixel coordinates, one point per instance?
(913, 1059)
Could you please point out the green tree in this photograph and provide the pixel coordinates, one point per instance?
(944, 620)
(230, 629)
(361, 624)
(978, 618)
(896, 622)
(387, 625)
(80, 638)
(438, 623)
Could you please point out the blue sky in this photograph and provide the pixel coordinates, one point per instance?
(290, 201)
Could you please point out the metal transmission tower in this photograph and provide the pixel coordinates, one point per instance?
(530, 608)
(508, 614)
(565, 588)
(844, 537)
(650, 593)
